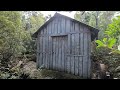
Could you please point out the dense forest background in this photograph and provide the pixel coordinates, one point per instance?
(17, 44)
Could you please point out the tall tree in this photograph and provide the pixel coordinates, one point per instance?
(12, 34)
(31, 23)
(97, 19)
(33, 20)
(113, 29)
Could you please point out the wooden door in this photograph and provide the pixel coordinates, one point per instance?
(59, 51)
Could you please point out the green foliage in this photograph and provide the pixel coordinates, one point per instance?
(113, 29)
(11, 34)
(100, 43)
(31, 24)
(106, 42)
(33, 21)
(108, 56)
(111, 42)
(15, 33)
(83, 18)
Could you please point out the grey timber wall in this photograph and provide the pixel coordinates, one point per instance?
(64, 45)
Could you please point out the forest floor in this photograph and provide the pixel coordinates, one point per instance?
(25, 68)
(30, 69)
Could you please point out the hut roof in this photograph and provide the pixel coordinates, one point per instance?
(93, 30)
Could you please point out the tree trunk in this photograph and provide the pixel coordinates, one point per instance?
(96, 18)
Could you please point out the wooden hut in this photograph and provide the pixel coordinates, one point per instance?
(64, 44)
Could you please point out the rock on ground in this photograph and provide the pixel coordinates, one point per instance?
(30, 69)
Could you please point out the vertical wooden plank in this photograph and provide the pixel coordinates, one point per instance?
(76, 37)
(45, 30)
(58, 24)
(62, 60)
(37, 61)
(67, 25)
(55, 43)
(85, 65)
(48, 50)
(63, 44)
(41, 48)
(41, 61)
(71, 47)
(57, 52)
(45, 38)
(65, 56)
(71, 26)
(55, 25)
(77, 46)
(89, 52)
(38, 52)
(68, 63)
(52, 27)
(80, 63)
(60, 53)
(72, 40)
(58, 63)
(43, 51)
(72, 57)
(80, 53)
(62, 25)
(59, 44)
(50, 46)
(80, 27)
(41, 32)
(76, 65)
(76, 27)
(72, 64)
(62, 40)
(53, 53)
(74, 44)
(48, 54)
(68, 52)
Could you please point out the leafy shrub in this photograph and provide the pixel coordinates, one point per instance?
(106, 42)
(107, 55)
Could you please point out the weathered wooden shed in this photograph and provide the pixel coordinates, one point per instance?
(64, 44)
